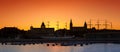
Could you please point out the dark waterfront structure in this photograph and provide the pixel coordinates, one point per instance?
(38, 32)
(75, 35)
(78, 31)
(11, 33)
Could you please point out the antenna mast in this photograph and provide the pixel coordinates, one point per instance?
(111, 25)
(48, 24)
(90, 24)
(57, 24)
(98, 24)
(66, 25)
(106, 25)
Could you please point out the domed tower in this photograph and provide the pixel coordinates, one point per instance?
(85, 25)
(71, 24)
(31, 27)
(42, 25)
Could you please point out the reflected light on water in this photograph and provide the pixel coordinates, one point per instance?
(58, 48)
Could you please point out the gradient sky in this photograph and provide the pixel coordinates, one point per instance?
(24, 13)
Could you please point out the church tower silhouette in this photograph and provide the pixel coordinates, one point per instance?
(71, 24)
(85, 25)
(42, 25)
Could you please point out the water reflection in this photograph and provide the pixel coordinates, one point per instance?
(58, 48)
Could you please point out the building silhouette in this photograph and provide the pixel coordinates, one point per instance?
(11, 33)
(79, 32)
(72, 28)
(42, 25)
(42, 31)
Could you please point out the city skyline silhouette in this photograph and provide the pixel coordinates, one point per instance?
(43, 34)
(103, 24)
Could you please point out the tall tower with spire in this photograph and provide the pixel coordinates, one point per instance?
(85, 25)
(71, 24)
(42, 25)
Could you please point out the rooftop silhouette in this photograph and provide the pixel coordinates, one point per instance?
(75, 33)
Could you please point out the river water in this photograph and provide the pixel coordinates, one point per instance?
(58, 48)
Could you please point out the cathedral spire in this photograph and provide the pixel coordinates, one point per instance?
(85, 25)
(71, 24)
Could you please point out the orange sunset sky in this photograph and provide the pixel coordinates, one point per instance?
(24, 13)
